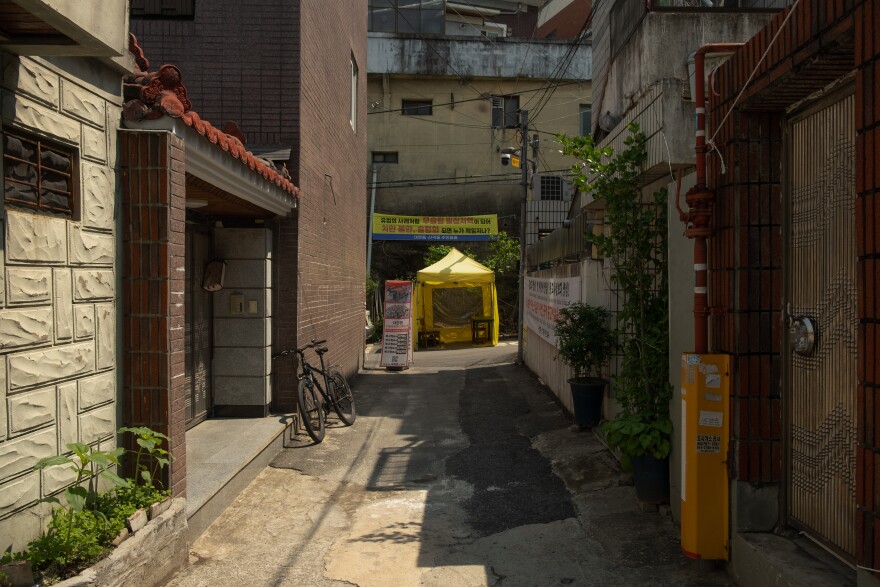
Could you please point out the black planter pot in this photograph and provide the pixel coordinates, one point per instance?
(651, 478)
(586, 397)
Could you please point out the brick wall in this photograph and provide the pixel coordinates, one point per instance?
(239, 60)
(746, 289)
(867, 43)
(332, 177)
(154, 248)
(57, 290)
(822, 41)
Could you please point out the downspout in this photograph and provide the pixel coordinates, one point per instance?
(701, 200)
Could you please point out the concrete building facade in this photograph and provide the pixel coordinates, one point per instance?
(59, 359)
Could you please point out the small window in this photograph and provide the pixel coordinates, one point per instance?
(353, 98)
(551, 187)
(162, 8)
(505, 111)
(585, 119)
(38, 175)
(416, 107)
(384, 157)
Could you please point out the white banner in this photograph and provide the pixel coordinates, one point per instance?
(397, 326)
(544, 298)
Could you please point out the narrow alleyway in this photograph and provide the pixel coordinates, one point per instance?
(461, 471)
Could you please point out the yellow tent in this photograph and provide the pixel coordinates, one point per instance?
(455, 301)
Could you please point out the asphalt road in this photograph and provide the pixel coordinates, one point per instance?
(460, 471)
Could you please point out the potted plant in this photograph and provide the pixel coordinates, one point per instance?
(585, 342)
(635, 246)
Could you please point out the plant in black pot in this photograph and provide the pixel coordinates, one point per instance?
(635, 245)
(585, 341)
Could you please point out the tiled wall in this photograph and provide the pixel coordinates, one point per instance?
(822, 41)
(243, 339)
(154, 248)
(57, 291)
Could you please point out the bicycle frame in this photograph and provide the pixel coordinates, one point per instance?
(308, 372)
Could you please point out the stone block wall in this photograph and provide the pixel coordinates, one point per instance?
(58, 311)
(243, 333)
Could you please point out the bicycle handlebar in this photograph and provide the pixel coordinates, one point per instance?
(301, 350)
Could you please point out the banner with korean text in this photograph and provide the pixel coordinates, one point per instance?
(397, 325)
(435, 228)
(544, 298)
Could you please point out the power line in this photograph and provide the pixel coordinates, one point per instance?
(482, 97)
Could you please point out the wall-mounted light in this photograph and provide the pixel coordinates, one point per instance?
(196, 203)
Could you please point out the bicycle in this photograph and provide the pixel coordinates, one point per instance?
(335, 392)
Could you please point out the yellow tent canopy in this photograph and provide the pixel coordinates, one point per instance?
(456, 301)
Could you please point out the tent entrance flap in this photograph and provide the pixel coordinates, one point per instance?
(451, 295)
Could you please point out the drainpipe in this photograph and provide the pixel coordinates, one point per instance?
(370, 220)
(701, 200)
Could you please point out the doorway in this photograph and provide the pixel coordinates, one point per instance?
(198, 321)
(822, 323)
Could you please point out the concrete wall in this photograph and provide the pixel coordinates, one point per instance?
(456, 140)
(540, 356)
(243, 338)
(58, 340)
(658, 50)
(477, 57)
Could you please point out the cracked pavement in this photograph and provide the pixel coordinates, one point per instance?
(460, 471)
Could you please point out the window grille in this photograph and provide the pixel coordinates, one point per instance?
(551, 187)
(38, 175)
(416, 107)
(505, 111)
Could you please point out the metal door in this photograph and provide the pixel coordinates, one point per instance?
(197, 326)
(821, 278)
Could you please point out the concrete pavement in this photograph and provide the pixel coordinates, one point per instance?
(462, 471)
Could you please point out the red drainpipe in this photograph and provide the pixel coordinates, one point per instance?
(700, 200)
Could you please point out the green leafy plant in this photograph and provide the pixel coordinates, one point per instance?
(150, 457)
(636, 246)
(504, 254)
(85, 521)
(585, 339)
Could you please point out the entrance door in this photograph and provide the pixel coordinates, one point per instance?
(198, 321)
(821, 278)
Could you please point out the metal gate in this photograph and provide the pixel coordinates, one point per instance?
(197, 326)
(821, 309)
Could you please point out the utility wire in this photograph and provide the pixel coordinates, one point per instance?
(482, 97)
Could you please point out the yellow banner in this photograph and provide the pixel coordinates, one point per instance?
(394, 227)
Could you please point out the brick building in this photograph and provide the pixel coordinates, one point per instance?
(796, 187)
(284, 81)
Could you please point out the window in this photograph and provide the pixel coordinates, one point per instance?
(505, 111)
(384, 156)
(38, 175)
(406, 16)
(585, 119)
(544, 232)
(162, 8)
(416, 107)
(551, 187)
(353, 98)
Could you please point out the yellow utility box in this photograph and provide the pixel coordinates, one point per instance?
(705, 426)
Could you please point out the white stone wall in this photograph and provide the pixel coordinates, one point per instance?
(58, 305)
(243, 340)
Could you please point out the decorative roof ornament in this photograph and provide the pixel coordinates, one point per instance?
(151, 96)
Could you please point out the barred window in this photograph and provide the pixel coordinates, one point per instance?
(551, 187)
(38, 175)
(505, 111)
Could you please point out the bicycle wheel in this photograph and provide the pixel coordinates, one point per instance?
(311, 410)
(343, 399)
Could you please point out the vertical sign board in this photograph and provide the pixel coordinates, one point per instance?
(396, 342)
(705, 426)
(544, 298)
